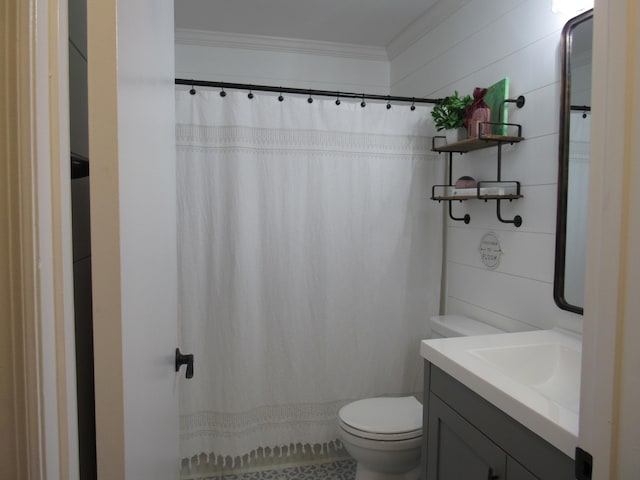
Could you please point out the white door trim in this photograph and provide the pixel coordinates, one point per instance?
(38, 225)
(609, 420)
(22, 448)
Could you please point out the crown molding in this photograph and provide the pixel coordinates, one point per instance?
(431, 18)
(206, 38)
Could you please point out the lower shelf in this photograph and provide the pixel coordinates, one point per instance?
(462, 198)
(500, 190)
(443, 193)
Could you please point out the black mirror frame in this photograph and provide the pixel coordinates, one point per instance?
(563, 167)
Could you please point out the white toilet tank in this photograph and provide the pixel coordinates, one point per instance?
(459, 326)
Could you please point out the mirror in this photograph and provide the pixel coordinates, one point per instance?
(573, 173)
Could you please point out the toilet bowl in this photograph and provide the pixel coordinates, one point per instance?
(384, 434)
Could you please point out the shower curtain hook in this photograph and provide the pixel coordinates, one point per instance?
(388, 103)
(413, 104)
(250, 95)
(222, 92)
(309, 100)
(280, 97)
(338, 98)
(193, 90)
(363, 103)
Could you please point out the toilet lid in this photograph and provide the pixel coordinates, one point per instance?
(398, 417)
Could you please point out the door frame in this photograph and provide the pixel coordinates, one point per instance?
(35, 212)
(39, 280)
(610, 391)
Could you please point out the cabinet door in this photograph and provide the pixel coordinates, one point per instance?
(457, 450)
(515, 471)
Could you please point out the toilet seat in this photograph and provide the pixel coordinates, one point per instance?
(384, 418)
(383, 437)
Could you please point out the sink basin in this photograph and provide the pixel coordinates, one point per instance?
(551, 369)
(534, 377)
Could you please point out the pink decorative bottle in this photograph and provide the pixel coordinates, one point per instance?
(477, 113)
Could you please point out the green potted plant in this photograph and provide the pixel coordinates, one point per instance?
(449, 115)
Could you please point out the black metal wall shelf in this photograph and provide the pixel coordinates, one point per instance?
(482, 141)
(504, 190)
(497, 190)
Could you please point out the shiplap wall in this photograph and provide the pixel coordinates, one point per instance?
(482, 42)
(277, 61)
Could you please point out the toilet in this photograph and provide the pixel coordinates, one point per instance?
(384, 434)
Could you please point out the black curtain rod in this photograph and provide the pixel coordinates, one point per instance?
(302, 91)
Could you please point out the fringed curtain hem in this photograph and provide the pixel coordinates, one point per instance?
(263, 458)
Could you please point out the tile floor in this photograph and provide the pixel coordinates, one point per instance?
(339, 470)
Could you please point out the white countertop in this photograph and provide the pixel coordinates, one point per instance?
(534, 377)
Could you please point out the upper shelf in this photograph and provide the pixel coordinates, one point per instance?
(478, 143)
(481, 141)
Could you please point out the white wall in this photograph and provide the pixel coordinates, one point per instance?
(276, 61)
(478, 45)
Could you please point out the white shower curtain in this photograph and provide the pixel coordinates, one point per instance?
(309, 261)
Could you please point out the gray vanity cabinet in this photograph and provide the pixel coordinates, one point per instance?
(457, 449)
(469, 438)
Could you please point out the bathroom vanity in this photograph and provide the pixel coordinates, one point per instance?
(501, 406)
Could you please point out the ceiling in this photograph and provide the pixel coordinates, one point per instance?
(359, 22)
